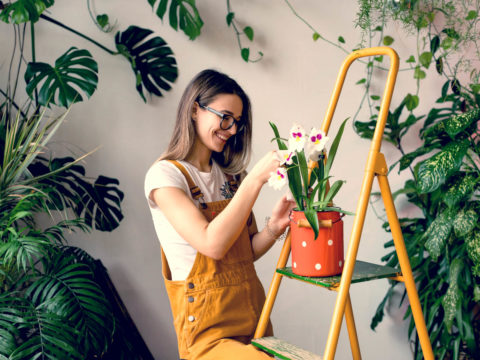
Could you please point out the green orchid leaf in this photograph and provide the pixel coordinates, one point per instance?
(22, 11)
(458, 123)
(75, 69)
(182, 13)
(152, 60)
(312, 219)
(460, 188)
(465, 221)
(452, 299)
(437, 234)
(294, 181)
(333, 149)
(303, 166)
(280, 143)
(334, 189)
(433, 172)
(473, 251)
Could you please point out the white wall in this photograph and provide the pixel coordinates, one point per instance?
(292, 83)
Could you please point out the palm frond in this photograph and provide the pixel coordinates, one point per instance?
(68, 290)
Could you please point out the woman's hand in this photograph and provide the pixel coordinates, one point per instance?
(280, 217)
(266, 165)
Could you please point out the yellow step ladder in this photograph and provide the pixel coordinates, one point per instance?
(354, 270)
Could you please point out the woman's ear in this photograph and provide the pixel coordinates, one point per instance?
(195, 108)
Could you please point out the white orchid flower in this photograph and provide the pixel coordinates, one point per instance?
(278, 179)
(315, 144)
(285, 157)
(297, 138)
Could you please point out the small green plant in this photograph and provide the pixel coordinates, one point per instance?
(305, 164)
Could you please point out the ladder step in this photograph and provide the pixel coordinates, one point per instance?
(364, 271)
(283, 350)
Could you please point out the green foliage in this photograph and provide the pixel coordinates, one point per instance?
(75, 67)
(308, 174)
(442, 244)
(50, 303)
(22, 11)
(152, 60)
(182, 14)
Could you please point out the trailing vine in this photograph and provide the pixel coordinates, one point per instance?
(247, 32)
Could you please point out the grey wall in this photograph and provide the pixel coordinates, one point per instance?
(292, 83)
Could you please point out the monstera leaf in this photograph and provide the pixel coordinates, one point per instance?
(99, 202)
(22, 11)
(182, 13)
(152, 60)
(74, 69)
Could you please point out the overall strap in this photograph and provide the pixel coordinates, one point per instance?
(194, 189)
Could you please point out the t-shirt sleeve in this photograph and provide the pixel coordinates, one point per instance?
(163, 174)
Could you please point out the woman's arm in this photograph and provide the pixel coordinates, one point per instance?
(276, 225)
(215, 238)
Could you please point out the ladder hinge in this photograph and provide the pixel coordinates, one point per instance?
(381, 167)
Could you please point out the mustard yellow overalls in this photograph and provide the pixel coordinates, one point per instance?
(216, 308)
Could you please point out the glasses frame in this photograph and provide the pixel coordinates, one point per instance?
(239, 123)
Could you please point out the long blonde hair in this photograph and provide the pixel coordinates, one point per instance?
(203, 89)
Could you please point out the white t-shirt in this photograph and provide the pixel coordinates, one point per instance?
(214, 186)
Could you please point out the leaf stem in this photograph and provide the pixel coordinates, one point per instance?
(48, 18)
(34, 57)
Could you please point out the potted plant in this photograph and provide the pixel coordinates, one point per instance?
(316, 225)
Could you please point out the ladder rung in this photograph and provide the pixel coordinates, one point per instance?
(283, 350)
(364, 271)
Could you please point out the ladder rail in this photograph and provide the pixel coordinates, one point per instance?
(366, 188)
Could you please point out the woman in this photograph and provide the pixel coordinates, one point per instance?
(202, 215)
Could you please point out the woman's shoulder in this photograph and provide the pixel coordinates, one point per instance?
(164, 173)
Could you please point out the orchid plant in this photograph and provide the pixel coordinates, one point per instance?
(306, 168)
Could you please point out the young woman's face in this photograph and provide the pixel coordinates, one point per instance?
(207, 123)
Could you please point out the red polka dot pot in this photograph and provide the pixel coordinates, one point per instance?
(318, 257)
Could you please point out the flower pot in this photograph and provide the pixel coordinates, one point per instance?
(318, 257)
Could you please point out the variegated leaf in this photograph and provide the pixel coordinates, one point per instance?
(433, 172)
(452, 297)
(473, 250)
(437, 234)
(434, 131)
(461, 188)
(407, 159)
(464, 222)
(458, 123)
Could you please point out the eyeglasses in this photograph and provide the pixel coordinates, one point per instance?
(227, 120)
